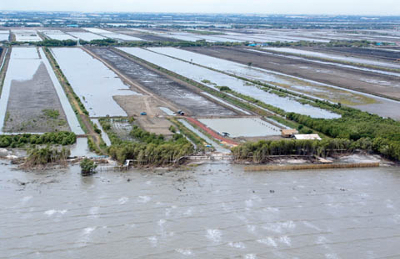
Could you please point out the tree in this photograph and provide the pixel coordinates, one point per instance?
(87, 166)
(224, 88)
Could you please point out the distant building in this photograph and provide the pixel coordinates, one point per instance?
(307, 136)
(288, 133)
(225, 134)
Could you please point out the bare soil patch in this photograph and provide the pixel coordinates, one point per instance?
(154, 121)
(383, 55)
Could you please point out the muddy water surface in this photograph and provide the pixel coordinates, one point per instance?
(212, 211)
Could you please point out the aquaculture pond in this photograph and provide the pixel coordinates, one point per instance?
(180, 94)
(113, 35)
(241, 127)
(214, 78)
(335, 57)
(32, 99)
(92, 81)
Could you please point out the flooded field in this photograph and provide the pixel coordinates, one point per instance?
(200, 74)
(57, 35)
(376, 71)
(335, 83)
(32, 99)
(268, 36)
(324, 35)
(226, 103)
(212, 211)
(188, 36)
(232, 36)
(92, 81)
(336, 57)
(4, 35)
(26, 35)
(267, 76)
(242, 127)
(87, 36)
(112, 35)
(181, 95)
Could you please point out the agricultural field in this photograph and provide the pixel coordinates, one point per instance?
(335, 82)
(214, 79)
(32, 99)
(93, 82)
(23, 35)
(180, 95)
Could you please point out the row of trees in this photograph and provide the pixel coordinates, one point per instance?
(259, 152)
(57, 138)
(112, 42)
(147, 137)
(150, 154)
(150, 148)
(199, 43)
(57, 43)
(355, 125)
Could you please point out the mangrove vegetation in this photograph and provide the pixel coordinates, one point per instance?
(40, 157)
(21, 140)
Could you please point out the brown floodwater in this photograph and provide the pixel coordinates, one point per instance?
(215, 210)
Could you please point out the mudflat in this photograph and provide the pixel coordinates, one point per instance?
(34, 106)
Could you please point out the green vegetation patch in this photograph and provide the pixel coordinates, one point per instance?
(55, 138)
(87, 166)
(259, 151)
(384, 133)
(38, 157)
(51, 113)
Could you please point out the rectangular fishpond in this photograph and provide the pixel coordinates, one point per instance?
(242, 127)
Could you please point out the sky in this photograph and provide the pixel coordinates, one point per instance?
(347, 7)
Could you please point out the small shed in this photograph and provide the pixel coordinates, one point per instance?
(288, 133)
(307, 136)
